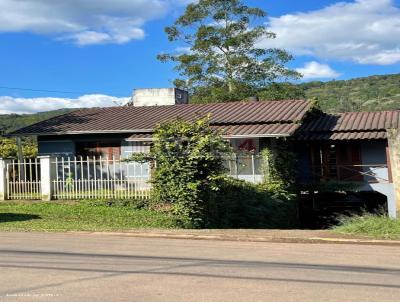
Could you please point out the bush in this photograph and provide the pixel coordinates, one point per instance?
(377, 226)
(189, 162)
(239, 204)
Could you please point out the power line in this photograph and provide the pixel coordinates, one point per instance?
(42, 90)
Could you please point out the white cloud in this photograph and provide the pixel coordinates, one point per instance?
(315, 70)
(30, 105)
(183, 50)
(84, 22)
(363, 31)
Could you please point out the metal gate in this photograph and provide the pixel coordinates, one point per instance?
(23, 179)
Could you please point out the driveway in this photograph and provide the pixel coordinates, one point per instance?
(104, 267)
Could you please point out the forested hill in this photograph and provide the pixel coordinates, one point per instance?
(11, 122)
(361, 94)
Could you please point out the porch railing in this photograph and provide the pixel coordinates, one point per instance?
(370, 173)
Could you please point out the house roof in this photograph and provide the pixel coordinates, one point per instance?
(258, 118)
(349, 126)
(244, 130)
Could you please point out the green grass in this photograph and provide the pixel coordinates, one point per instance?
(376, 226)
(79, 216)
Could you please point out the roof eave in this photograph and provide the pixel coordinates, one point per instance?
(82, 132)
(257, 135)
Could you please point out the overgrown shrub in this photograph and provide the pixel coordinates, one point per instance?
(188, 159)
(279, 168)
(239, 204)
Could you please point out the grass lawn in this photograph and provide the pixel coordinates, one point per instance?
(78, 216)
(379, 227)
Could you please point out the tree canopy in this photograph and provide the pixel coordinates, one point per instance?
(222, 60)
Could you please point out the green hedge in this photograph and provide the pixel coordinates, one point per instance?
(239, 204)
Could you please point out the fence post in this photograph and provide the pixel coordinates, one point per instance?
(47, 172)
(3, 178)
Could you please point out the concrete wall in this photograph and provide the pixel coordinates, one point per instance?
(394, 151)
(374, 153)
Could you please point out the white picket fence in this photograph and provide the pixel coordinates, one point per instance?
(23, 179)
(96, 177)
(100, 178)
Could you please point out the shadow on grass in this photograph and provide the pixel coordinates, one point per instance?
(11, 217)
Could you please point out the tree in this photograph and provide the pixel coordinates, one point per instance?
(223, 61)
(9, 149)
(189, 163)
(279, 91)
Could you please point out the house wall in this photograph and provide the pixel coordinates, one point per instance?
(65, 145)
(374, 153)
(303, 162)
(56, 147)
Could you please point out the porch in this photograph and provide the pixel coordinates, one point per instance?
(358, 166)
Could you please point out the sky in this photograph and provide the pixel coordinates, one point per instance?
(86, 53)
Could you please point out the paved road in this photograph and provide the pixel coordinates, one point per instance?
(84, 267)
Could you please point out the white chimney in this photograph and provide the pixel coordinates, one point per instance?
(159, 97)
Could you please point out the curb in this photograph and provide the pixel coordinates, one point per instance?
(271, 239)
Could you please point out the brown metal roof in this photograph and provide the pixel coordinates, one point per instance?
(231, 131)
(350, 126)
(257, 130)
(144, 119)
(355, 121)
(342, 135)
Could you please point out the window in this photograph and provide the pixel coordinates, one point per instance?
(108, 150)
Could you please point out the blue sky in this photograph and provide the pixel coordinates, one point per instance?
(101, 50)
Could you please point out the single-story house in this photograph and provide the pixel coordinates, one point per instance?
(361, 147)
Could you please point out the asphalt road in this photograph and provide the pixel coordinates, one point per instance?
(93, 267)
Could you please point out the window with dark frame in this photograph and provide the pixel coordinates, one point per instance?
(107, 150)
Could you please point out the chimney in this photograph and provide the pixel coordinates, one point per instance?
(159, 97)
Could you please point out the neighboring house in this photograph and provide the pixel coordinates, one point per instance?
(348, 147)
